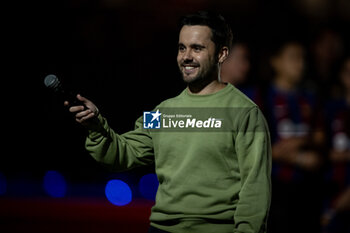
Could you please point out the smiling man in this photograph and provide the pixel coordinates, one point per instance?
(196, 57)
(209, 181)
(199, 57)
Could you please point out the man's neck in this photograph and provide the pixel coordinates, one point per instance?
(212, 87)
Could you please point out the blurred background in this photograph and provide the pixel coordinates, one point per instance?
(290, 57)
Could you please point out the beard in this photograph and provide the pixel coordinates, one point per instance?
(203, 75)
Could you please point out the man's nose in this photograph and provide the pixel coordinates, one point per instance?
(188, 55)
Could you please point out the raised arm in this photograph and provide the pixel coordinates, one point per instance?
(119, 152)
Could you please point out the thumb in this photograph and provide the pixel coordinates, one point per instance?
(82, 99)
(88, 104)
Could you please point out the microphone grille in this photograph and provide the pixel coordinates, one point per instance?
(51, 81)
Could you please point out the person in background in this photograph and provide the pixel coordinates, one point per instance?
(326, 50)
(236, 67)
(336, 214)
(235, 70)
(295, 137)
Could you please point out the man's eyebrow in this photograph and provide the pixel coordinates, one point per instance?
(193, 45)
(197, 46)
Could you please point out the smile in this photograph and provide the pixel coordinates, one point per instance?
(188, 70)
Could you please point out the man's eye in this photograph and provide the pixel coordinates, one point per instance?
(197, 49)
(182, 48)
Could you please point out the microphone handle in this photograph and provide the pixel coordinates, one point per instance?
(71, 98)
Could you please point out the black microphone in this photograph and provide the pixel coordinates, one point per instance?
(52, 82)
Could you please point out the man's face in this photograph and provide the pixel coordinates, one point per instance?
(196, 53)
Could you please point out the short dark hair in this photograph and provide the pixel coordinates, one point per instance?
(221, 31)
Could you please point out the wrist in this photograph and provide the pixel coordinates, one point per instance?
(97, 112)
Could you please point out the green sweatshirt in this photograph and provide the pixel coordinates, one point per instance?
(211, 179)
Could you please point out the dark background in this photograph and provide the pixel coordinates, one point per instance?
(121, 54)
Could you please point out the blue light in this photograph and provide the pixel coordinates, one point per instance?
(55, 184)
(148, 186)
(118, 192)
(3, 184)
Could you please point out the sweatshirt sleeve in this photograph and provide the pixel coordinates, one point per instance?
(120, 152)
(254, 158)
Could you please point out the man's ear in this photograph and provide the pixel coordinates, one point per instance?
(223, 54)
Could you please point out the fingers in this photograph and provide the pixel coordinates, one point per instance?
(82, 99)
(74, 109)
(77, 108)
(84, 115)
(83, 112)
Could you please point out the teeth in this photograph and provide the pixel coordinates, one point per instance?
(189, 67)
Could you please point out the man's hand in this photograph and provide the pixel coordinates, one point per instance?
(83, 113)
